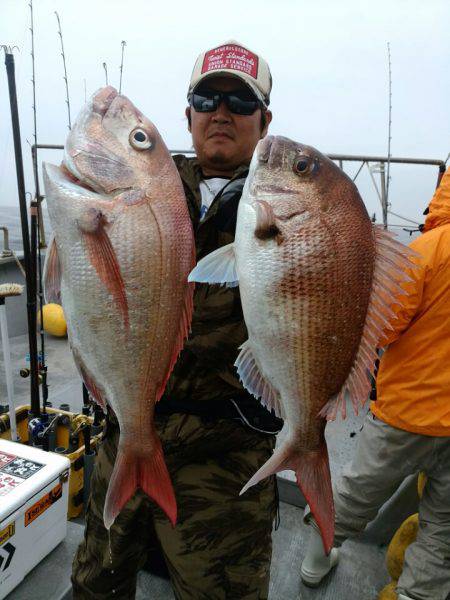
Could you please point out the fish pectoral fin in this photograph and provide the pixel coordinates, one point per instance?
(312, 470)
(103, 258)
(217, 267)
(133, 471)
(52, 274)
(254, 381)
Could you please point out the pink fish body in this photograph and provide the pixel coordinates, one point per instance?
(315, 279)
(125, 247)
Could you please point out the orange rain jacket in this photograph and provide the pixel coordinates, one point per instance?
(413, 383)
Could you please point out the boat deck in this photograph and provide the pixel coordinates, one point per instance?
(360, 574)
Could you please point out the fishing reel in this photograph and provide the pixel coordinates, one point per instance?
(42, 369)
(42, 432)
(38, 427)
(25, 372)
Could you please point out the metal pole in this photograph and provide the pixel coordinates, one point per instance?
(440, 175)
(31, 295)
(383, 195)
(8, 370)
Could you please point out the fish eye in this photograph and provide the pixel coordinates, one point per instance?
(304, 165)
(140, 139)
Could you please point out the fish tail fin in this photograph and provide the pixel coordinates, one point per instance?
(145, 471)
(314, 480)
(312, 470)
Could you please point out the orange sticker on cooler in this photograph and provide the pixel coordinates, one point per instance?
(41, 505)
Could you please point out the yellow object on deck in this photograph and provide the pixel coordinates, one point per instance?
(421, 483)
(395, 556)
(405, 535)
(54, 320)
(388, 592)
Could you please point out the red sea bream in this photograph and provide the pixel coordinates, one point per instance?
(316, 279)
(125, 247)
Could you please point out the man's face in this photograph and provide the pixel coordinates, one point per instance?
(222, 139)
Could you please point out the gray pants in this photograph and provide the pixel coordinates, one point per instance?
(384, 457)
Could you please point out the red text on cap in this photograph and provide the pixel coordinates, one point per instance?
(231, 57)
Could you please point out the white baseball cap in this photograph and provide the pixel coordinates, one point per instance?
(232, 59)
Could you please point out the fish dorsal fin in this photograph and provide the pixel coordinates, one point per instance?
(183, 332)
(96, 393)
(254, 381)
(217, 267)
(392, 261)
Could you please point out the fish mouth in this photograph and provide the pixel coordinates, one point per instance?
(67, 186)
(69, 175)
(98, 106)
(102, 100)
(84, 150)
(74, 178)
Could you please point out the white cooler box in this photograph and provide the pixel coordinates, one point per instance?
(34, 494)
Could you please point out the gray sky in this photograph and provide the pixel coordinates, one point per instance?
(328, 60)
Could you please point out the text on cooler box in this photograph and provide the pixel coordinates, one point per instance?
(7, 533)
(42, 504)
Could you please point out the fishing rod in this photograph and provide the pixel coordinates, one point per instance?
(123, 43)
(36, 214)
(65, 70)
(67, 101)
(35, 410)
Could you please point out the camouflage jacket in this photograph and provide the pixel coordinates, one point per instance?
(204, 380)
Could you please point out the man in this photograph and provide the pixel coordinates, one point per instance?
(408, 429)
(214, 434)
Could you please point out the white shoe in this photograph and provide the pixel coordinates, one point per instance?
(316, 564)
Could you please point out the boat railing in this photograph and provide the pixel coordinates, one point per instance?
(374, 164)
(6, 252)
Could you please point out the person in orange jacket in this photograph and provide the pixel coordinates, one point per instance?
(408, 427)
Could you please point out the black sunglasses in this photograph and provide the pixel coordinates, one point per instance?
(239, 102)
